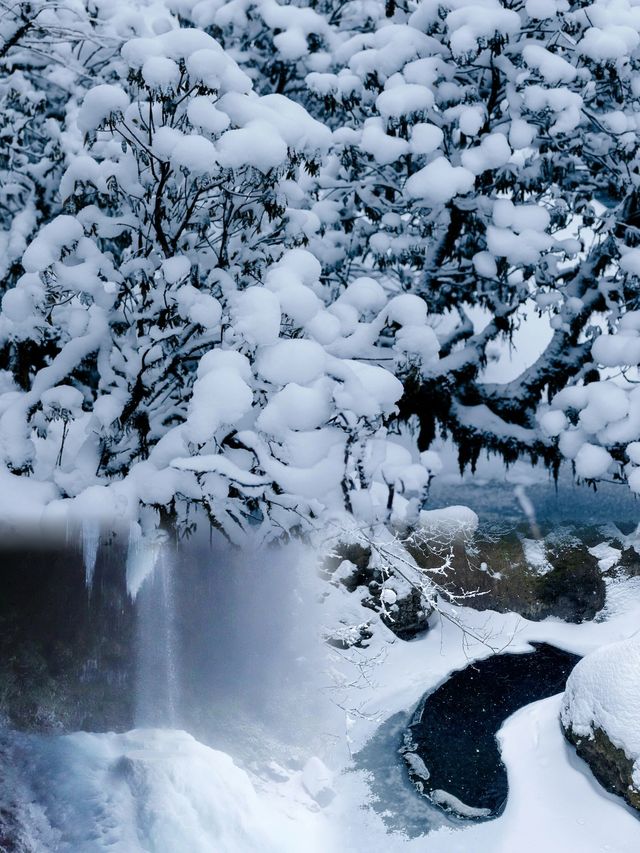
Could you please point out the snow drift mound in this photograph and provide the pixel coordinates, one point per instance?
(154, 791)
(601, 716)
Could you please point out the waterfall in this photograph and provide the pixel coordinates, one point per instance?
(157, 667)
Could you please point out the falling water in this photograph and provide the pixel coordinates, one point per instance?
(157, 676)
(90, 543)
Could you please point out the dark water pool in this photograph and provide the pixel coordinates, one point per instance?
(451, 748)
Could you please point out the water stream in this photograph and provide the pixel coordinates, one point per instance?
(156, 648)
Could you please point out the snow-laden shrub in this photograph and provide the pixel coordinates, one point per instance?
(50, 55)
(597, 425)
(33, 98)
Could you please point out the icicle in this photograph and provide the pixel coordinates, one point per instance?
(90, 542)
(142, 555)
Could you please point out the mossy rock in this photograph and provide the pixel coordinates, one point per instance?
(407, 617)
(609, 764)
(495, 571)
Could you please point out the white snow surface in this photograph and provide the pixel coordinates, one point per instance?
(160, 791)
(555, 804)
(535, 555)
(439, 182)
(449, 519)
(163, 792)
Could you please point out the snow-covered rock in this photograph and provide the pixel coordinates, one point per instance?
(601, 715)
(397, 598)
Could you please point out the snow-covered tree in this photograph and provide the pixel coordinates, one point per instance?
(488, 159)
(188, 351)
(51, 53)
(33, 96)
(483, 158)
(272, 233)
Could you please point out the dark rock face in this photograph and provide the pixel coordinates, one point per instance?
(629, 562)
(609, 764)
(451, 749)
(572, 588)
(359, 556)
(407, 617)
(65, 653)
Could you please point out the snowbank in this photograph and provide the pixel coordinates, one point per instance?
(156, 791)
(603, 692)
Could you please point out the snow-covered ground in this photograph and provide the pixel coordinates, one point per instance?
(161, 791)
(155, 791)
(555, 804)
